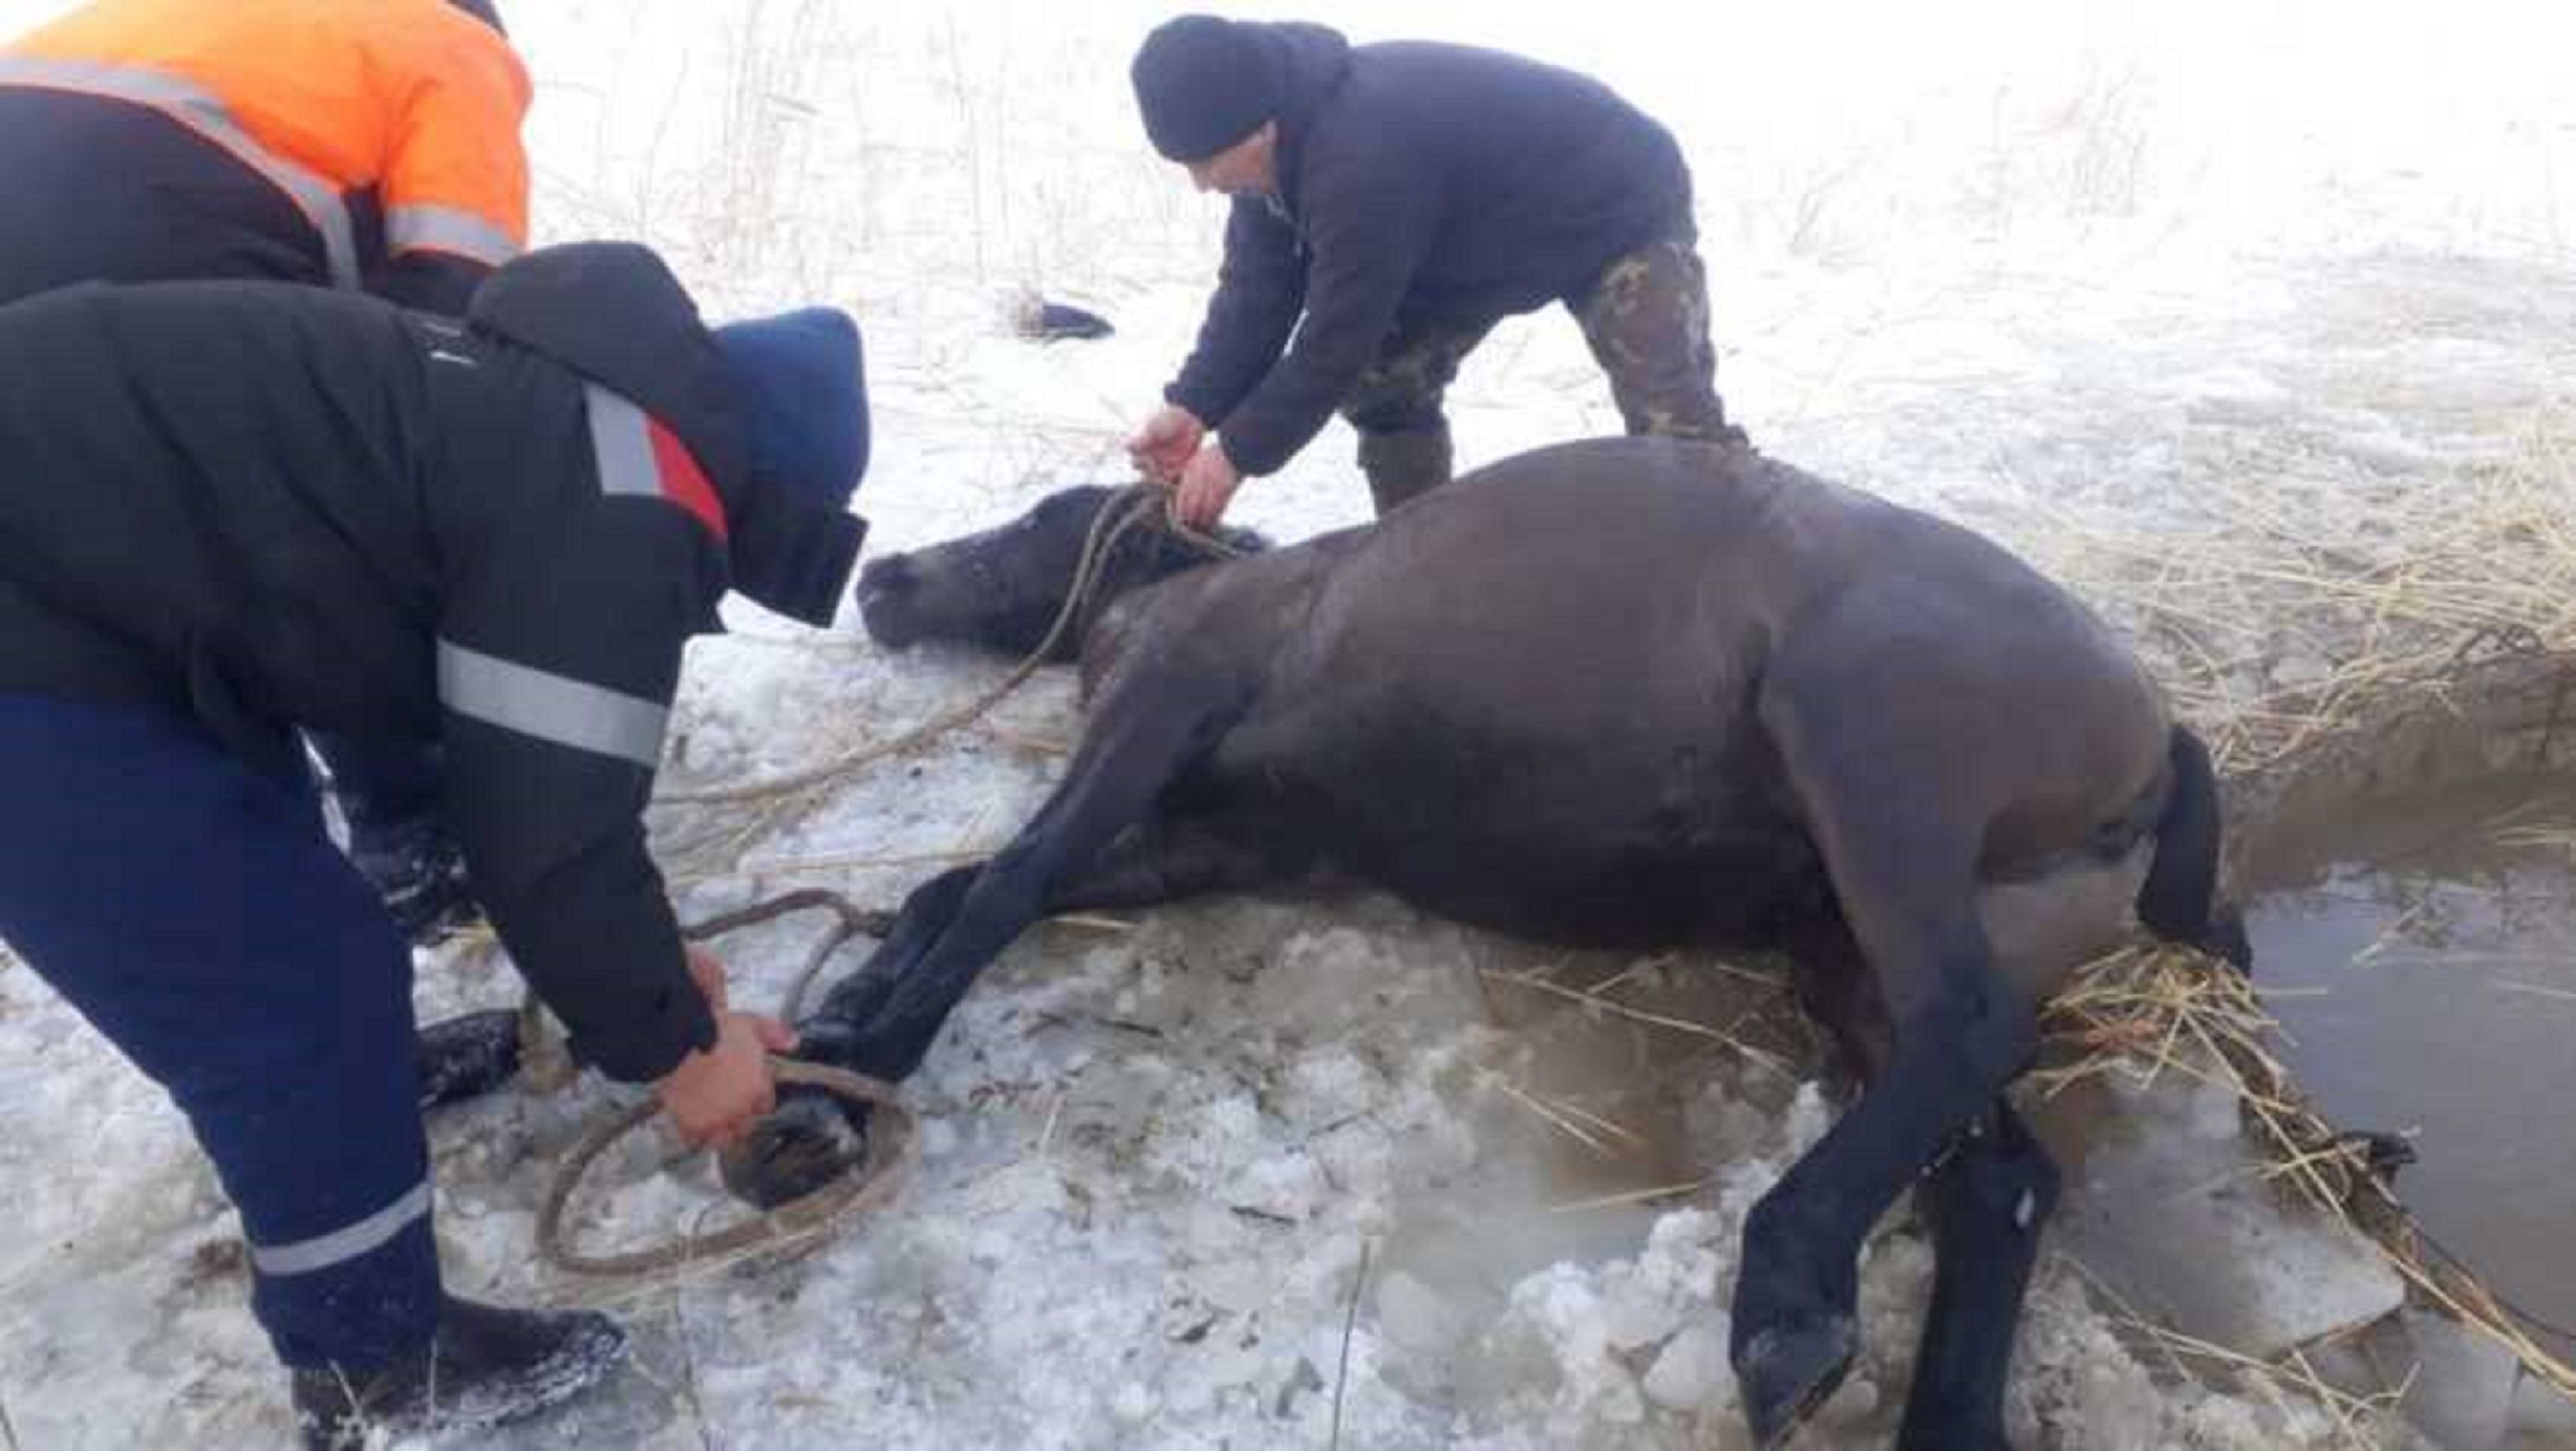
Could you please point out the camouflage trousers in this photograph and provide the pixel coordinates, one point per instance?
(1646, 318)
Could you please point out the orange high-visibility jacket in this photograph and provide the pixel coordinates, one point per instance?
(393, 125)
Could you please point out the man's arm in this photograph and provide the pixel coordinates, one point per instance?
(557, 658)
(455, 187)
(427, 281)
(1368, 234)
(1259, 291)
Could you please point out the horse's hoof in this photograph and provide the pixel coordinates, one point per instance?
(1785, 1374)
(813, 1139)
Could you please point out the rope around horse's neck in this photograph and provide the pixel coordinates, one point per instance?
(1120, 516)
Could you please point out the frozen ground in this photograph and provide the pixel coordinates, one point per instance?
(2022, 263)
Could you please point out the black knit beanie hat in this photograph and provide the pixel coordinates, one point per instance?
(1204, 83)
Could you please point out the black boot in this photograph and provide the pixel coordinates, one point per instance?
(486, 1367)
(420, 875)
(466, 1057)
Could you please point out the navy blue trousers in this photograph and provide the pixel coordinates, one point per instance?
(194, 911)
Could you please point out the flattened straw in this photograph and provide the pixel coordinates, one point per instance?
(1640, 1196)
(1615, 1130)
(1090, 923)
(1770, 981)
(1555, 1119)
(2390, 934)
(1751, 1054)
(1619, 979)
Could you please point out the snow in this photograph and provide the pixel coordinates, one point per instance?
(2007, 259)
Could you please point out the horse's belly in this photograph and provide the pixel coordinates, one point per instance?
(1539, 867)
(1544, 822)
(1641, 900)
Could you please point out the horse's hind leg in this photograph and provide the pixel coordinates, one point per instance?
(1958, 1042)
(1834, 988)
(1986, 1202)
(1902, 851)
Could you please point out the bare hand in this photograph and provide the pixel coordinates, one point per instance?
(1162, 448)
(717, 1093)
(1207, 486)
(708, 971)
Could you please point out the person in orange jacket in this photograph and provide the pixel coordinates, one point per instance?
(361, 146)
(364, 146)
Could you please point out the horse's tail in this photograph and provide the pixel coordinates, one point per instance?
(2180, 899)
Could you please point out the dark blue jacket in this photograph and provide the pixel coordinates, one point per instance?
(1416, 182)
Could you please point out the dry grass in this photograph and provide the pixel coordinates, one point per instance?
(1633, 1198)
(2308, 644)
(1591, 1130)
(2283, 617)
(1598, 1001)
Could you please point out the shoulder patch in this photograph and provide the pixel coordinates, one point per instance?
(637, 454)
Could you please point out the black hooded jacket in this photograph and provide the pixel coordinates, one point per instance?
(273, 507)
(1416, 182)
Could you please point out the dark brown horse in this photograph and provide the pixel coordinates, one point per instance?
(1626, 693)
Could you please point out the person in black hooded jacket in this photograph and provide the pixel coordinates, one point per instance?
(233, 510)
(1391, 204)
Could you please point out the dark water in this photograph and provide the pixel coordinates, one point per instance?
(2422, 954)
